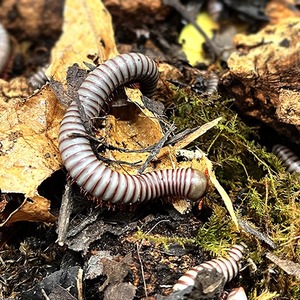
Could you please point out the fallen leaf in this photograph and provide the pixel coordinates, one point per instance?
(287, 266)
(192, 41)
(29, 126)
(29, 154)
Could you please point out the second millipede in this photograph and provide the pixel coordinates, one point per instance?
(288, 158)
(212, 83)
(39, 78)
(94, 176)
(4, 47)
(229, 267)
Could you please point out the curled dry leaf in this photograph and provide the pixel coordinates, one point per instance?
(29, 127)
(28, 150)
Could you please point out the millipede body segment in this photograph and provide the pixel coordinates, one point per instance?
(94, 176)
(288, 158)
(229, 267)
(39, 78)
(212, 83)
(4, 47)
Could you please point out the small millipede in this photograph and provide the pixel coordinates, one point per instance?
(93, 175)
(215, 8)
(212, 83)
(229, 267)
(39, 78)
(4, 47)
(288, 158)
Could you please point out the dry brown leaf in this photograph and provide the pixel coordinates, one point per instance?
(287, 266)
(35, 209)
(29, 127)
(28, 153)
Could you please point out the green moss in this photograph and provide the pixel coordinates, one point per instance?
(165, 241)
(215, 237)
(217, 234)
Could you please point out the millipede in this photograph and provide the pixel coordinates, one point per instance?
(4, 47)
(39, 78)
(229, 267)
(215, 8)
(94, 176)
(288, 158)
(212, 83)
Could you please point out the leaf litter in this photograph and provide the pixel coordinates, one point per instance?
(34, 136)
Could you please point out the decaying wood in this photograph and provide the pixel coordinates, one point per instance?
(264, 76)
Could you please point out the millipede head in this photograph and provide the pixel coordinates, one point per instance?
(198, 186)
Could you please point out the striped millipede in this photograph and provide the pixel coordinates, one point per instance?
(212, 83)
(288, 158)
(229, 267)
(39, 78)
(93, 175)
(4, 47)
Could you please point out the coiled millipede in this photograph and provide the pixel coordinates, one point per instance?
(4, 47)
(93, 175)
(229, 267)
(288, 158)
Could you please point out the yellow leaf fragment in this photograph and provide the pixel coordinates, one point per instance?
(196, 134)
(222, 192)
(192, 40)
(28, 153)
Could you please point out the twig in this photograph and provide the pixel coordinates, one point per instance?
(64, 214)
(142, 269)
